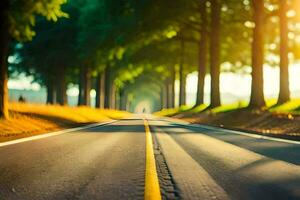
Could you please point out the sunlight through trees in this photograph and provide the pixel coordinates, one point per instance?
(123, 49)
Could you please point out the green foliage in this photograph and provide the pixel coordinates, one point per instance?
(52, 49)
(136, 38)
(22, 15)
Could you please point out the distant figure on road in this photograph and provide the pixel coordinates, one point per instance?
(21, 99)
(144, 110)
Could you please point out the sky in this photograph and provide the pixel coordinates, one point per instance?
(237, 85)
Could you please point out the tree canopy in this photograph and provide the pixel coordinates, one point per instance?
(109, 45)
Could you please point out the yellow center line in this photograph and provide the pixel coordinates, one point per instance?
(152, 189)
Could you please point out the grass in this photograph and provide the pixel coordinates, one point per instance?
(199, 108)
(274, 120)
(239, 105)
(270, 103)
(292, 107)
(229, 107)
(173, 111)
(31, 119)
(75, 114)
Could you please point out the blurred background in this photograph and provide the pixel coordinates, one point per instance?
(144, 56)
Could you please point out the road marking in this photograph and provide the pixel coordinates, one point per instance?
(192, 180)
(253, 135)
(37, 137)
(152, 189)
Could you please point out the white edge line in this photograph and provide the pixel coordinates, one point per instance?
(36, 137)
(253, 135)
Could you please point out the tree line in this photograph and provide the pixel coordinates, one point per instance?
(115, 46)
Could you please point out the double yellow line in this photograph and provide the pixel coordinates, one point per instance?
(152, 189)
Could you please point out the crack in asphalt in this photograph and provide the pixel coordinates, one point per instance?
(168, 188)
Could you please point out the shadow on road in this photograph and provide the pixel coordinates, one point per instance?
(117, 128)
(275, 150)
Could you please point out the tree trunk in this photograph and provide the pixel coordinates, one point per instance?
(117, 100)
(129, 106)
(85, 86)
(171, 88)
(110, 90)
(164, 96)
(284, 92)
(167, 81)
(112, 96)
(215, 53)
(182, 93)
(81, 87)
(257, 88)
(62, 87)
(123, 99)
(79, 102)
(51, 93)
(100, 90)
(182, 77)
(87, 89)
(4, 48)
(107, 99)
(202, 55)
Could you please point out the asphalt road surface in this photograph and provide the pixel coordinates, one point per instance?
(109, 162)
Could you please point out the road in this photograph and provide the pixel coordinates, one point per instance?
(191, 162)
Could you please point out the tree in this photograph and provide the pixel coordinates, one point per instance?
(215, 53)
(257, 93)
(202, 55)
(48, 59)
(109, 91)
(84, 85)
(4, 48)
(100, 83)
(182, 77)
(284, 91)
(17, 20)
